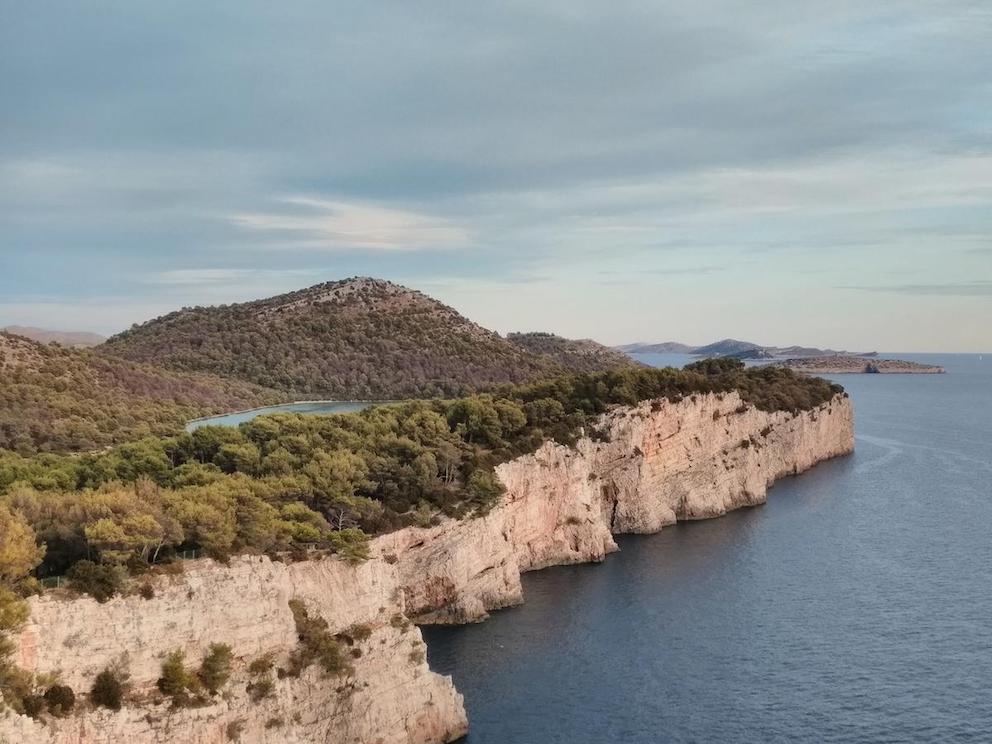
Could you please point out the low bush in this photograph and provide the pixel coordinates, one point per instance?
(177, 681)
(33, 705)
(215, 669)
(351, 544)
(262, 665)
(360, 631)
(316, 644)
(108, 689)
(100, 581)
(60, 700)
(261, 688)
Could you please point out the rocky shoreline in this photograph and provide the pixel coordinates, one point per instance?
(662, 462)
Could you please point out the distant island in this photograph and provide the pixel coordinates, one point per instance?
(730, 347)
(844, 365)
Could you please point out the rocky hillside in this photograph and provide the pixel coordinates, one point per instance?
(582, 355)
(357, 338)
(54, 399)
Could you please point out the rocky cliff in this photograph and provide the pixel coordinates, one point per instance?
(660, 462)
(663, 462)
(392, 697)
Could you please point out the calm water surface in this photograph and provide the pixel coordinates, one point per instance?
(320, 407)
(855, 606)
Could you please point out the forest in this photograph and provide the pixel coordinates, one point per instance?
(285, 479)
(360, 338)
(54, 399)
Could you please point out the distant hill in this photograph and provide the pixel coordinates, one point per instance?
(582, 355)
(72, 339)
(54, 399)
(739, 349)
(668, 347)
(726, 347)
(842, 365)
(358, 338)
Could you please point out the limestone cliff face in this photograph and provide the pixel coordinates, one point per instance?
(392, 697)
(695, 459)
(662, 462)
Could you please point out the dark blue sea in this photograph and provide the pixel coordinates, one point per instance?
(855, 606)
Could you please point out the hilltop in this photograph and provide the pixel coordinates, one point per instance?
(576, 355)
(360, 338)
(54, 399)
(72, 339)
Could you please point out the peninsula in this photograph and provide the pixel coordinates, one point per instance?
(844, 365)
(297, 630)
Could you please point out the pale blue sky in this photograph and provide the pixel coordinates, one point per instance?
(802, 171)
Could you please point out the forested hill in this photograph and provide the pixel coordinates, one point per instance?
(581, 355)
(357, 338)
(54, 399)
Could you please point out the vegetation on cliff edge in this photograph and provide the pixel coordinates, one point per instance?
(284, 480)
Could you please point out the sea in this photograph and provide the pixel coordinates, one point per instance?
(855, 606)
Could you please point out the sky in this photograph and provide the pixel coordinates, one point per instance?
(810, 172)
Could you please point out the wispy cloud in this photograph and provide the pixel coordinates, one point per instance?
(962, 289)
(199, 277)
(314, 223)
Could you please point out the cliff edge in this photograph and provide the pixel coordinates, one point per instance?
(660, 462)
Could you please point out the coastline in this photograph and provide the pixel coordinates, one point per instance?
(663, 462)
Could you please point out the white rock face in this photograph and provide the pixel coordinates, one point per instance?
(392, 697)
(664, 462)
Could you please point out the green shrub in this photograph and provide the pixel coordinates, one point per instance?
(261, 688)
(360, 631)
(98, 580)
(215, 669)
(108, 689)
(60, 699)
(33, 705)
(262, 665)
(483, 490)
(316, 644)
(351, 544)
(176, 681)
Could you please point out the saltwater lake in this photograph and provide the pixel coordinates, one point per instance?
(320, 407)
(856, 605)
